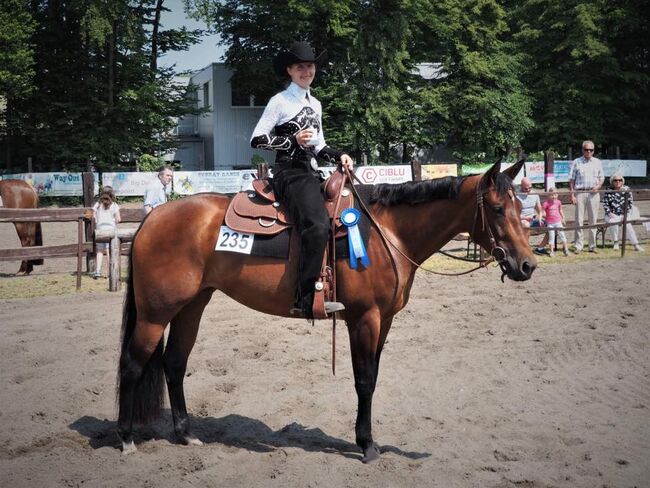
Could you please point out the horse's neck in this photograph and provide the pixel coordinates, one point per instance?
(425, 228)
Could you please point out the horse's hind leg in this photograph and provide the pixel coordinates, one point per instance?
(182, 335)
(140, 380)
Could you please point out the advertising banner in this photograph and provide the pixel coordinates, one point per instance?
(373, 175)
(129, 184)
(54, 184)
(432, 171)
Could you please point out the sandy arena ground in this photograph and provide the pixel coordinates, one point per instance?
(537, 385)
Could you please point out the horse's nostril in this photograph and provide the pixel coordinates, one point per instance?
(526, 268)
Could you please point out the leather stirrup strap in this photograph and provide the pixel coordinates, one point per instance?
(332, 256)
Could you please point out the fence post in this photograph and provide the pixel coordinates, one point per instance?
(88, 188)
(262, 171)
(625, 204)
(79, 249)
(416, 170)
(115, 271)
(549, 170)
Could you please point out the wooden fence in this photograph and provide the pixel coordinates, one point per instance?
(79, 249)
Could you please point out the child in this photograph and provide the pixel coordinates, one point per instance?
(555, 220)
(107, 215)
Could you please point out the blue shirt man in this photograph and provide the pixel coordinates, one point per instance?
(156, 192)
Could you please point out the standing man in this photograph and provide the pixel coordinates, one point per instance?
(156, 192)
(586, 177)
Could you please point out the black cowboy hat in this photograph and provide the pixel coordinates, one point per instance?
(299, 52)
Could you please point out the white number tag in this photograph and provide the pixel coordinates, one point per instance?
(233, 241)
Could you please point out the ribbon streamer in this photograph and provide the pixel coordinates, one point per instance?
(350, 218)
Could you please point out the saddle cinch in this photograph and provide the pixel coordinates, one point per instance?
(257, 211)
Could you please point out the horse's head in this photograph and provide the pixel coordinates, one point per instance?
(497, 225)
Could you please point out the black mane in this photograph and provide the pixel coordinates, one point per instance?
(414, 192)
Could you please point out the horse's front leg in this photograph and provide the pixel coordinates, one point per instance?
(366, 342)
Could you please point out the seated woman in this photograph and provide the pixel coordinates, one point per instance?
(613, 203)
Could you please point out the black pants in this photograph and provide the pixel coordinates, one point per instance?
(299, 190)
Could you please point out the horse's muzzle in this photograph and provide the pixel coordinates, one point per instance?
(520, 270)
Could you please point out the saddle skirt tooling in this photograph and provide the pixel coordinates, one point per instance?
(258, 212)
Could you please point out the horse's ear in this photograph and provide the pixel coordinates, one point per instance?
(514, 170)
(491, 174)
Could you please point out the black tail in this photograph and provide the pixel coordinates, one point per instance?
(148, 394)
(39, 242)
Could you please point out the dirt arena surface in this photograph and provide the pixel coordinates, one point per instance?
(482, 384)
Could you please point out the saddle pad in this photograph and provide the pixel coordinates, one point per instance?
(277, 246)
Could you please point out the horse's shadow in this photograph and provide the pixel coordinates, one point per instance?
(233, 431)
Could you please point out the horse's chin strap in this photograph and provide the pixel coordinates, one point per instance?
(497, 252)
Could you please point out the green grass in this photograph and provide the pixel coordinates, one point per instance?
(50, 285)
(439, 262)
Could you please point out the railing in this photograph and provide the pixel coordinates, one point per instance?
(80, 249)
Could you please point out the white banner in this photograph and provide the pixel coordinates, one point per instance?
(373, 175)
(190, 182)
(129, 184)
(54, 184)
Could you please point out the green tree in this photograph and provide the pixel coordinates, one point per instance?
(100, 96)
(16, 65)
(483, 104)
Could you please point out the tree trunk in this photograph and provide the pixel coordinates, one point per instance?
(111, 65)
(154, 37)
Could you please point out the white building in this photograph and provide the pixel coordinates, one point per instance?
(218, 139)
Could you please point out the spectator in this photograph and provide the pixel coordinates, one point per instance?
(107, 215)
(555, 220)
(613, 203)
(531, 211)
(586, 176)
(156, 192)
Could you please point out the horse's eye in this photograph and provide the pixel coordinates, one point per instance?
(498, 210)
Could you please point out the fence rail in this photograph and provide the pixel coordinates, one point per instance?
(80, 249)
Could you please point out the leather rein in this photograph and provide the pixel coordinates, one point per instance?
(497, 254)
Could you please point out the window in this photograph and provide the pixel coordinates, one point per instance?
(206, 94)
(244, 98)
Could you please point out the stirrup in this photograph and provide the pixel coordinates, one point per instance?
(332, 307)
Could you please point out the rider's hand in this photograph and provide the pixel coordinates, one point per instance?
(304, 136)
(346, 162)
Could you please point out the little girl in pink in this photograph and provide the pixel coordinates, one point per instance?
(555, 220)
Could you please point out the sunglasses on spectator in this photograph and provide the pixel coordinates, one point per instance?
(615, 180)
(590, 149)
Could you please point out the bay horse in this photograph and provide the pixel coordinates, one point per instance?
(174, 271)
(20, 194)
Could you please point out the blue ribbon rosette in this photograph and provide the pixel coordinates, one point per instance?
(350, 218)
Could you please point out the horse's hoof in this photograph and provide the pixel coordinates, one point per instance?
(370, 454)
(128, 448)
(190, 440)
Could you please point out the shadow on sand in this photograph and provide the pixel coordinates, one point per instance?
(233, 431)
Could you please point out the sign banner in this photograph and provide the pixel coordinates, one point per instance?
(54, 184)
(190, 182)
(373, 175)
(432, 171)
(535, 169)
(129, 184)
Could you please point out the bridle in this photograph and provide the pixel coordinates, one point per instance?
(497, 252)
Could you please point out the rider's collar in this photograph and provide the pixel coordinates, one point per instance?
(297, 91)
